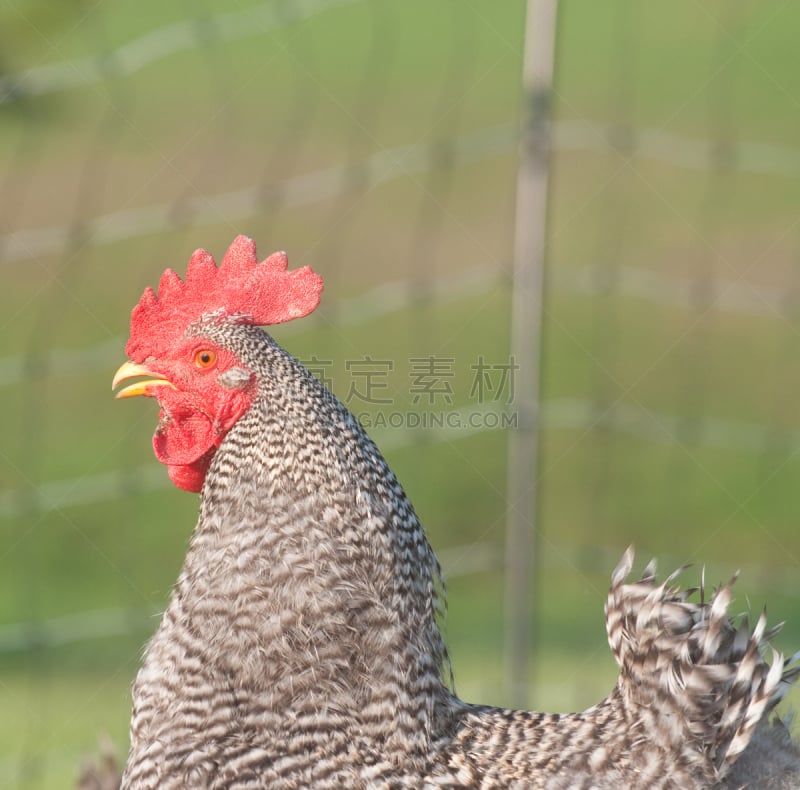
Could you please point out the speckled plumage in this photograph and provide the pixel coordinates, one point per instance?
(300, 647)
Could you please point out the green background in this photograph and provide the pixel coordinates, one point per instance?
(669, 368)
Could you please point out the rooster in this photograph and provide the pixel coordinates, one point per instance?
(301, 646)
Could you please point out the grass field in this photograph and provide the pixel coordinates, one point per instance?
(180, 145)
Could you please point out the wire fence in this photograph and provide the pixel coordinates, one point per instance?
(579, 414)
(378, 142)
(156, 45)
(301, 190)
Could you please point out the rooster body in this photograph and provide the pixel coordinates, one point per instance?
(301, 647)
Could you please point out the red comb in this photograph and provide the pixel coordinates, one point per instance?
(242, 288)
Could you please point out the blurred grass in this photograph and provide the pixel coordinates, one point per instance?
(340, 86)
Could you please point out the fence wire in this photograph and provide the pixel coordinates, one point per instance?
(377, 142)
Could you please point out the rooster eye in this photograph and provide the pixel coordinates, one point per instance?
(205, 358)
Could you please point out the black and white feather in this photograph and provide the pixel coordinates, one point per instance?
(301, 645)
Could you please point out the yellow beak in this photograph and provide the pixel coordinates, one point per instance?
(130, 370)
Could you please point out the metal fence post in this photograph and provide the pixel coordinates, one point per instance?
(526, 315)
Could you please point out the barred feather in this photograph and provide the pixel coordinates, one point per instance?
(693, 661)
(301, 647)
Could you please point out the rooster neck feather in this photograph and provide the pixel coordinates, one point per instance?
(309, 581)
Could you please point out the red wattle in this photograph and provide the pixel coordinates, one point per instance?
(190, 477)
(181, 439)
(192, 425)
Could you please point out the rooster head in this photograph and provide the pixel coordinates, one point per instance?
(201, 387)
